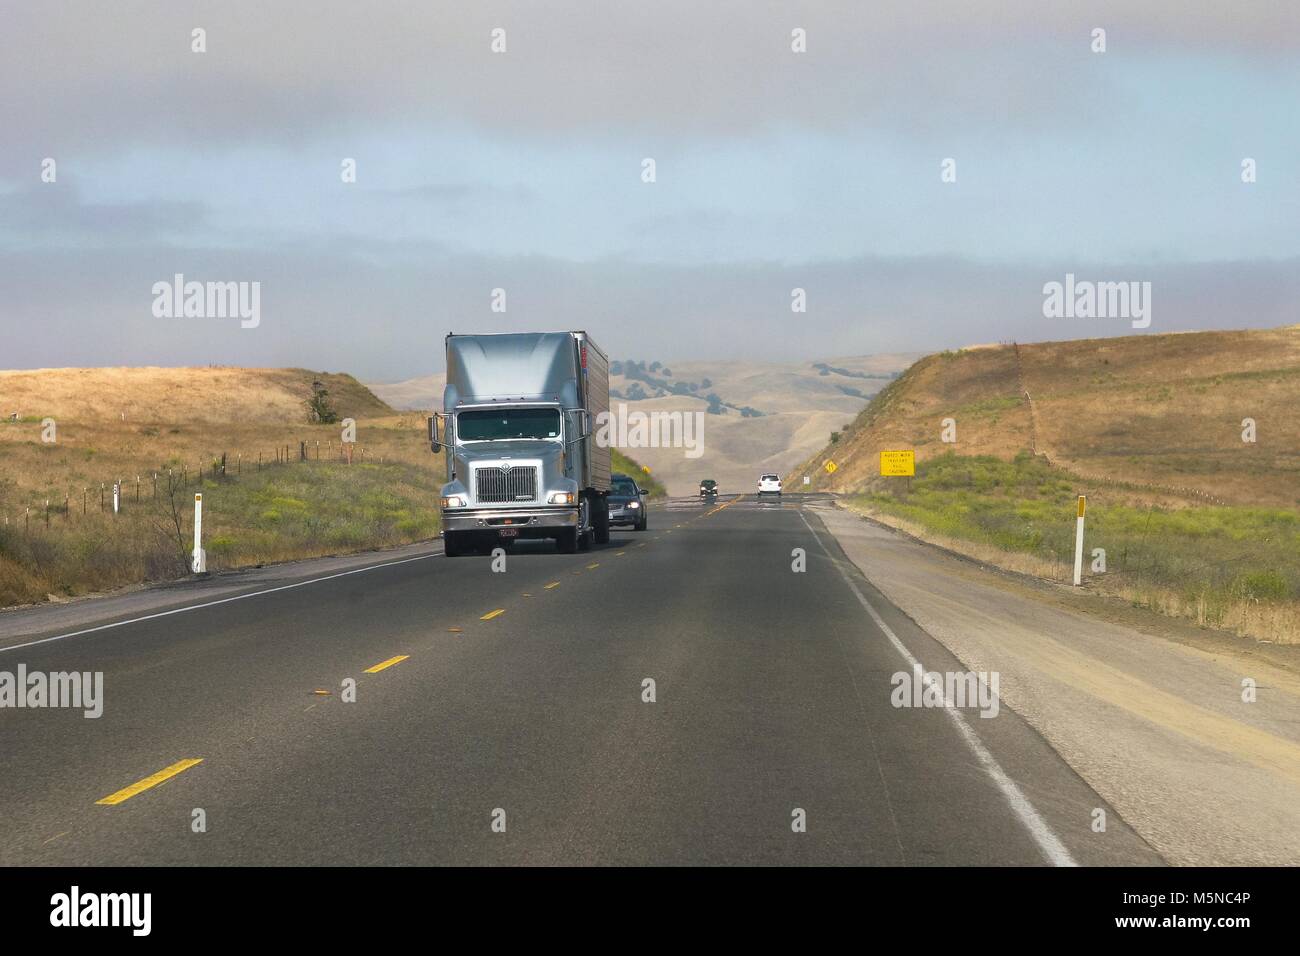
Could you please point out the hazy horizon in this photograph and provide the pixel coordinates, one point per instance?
(804, 147)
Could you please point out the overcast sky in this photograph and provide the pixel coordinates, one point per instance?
(522, 170)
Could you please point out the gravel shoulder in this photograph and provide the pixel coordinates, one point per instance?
(1148, 710)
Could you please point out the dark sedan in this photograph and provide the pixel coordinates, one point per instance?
(627, 505)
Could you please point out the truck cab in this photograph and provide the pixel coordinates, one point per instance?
(518, 430)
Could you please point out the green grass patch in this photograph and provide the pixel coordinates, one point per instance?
(624, 464)
(1217, 555)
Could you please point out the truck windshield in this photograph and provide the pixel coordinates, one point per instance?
(499, 424)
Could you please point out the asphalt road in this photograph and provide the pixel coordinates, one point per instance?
(772, 696)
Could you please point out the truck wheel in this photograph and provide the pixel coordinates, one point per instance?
(567, 541)
(601, 521)
(452, 545)
(641, 525)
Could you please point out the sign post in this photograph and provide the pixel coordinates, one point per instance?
(200, 565)
(1078, 542)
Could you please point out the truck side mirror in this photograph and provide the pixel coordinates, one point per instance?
(582, 423)
(435, 442)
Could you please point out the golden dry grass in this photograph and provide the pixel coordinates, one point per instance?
(1161, 413)
(193, 396)
(179, 423)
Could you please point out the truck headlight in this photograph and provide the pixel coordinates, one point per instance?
(454, 501)
(634, 504)
(561, 498)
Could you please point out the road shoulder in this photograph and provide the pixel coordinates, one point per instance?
(18, 624)
(1154, 721)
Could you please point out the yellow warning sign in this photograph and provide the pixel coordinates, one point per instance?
(898, 463)
(830, 467)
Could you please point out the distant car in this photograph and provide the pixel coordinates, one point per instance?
(708, 489)
(627, 504)
(769, 485)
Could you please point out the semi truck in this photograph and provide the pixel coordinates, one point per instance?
(518, 425)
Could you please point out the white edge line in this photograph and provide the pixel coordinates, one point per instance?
(1053, 849)
(227, 600)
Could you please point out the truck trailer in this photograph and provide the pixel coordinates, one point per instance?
(519, 420)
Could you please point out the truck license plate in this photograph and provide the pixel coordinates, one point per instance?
(509, 532)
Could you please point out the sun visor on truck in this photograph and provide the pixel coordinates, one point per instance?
(530, 367)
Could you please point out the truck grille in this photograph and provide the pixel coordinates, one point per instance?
(495, 485)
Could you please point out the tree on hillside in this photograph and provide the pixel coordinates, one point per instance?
(320, 410)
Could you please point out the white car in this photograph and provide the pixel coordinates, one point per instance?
(769, 485)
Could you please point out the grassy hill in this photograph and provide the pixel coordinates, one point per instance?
(59, 536)
(1163, 412)
(1194, 520)
(194, 396)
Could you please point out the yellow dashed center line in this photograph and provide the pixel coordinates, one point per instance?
(592, 567)
(386, 664)
(720, 507)
(553, 584)
(454, 630)
(491, 614)
(620, 554)
(152, 780)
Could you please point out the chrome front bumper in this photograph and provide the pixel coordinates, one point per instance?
(522, 519)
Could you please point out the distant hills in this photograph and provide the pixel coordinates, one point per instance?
(759, 416)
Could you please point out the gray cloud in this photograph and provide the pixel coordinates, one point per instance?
(58, 212)
(122, 75)
(382, 313)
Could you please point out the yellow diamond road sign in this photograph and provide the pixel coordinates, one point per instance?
(898, 463)
(830, 467)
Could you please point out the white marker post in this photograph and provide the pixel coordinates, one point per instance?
(117, 490)
(200, 565)
(1078, 543)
